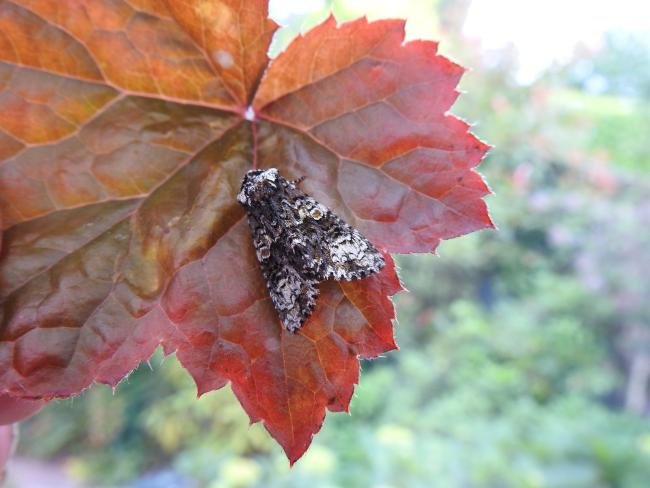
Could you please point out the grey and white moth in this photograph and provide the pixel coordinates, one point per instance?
(300, 242)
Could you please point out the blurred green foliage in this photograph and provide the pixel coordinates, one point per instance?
(522, 350)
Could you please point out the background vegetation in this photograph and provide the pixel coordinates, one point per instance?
(525, 353)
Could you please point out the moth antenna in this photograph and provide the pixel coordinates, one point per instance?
(297, 181)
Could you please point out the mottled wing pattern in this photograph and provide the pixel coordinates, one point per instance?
(299, 242)
(338, 250)
(292, 292)
(293, 295)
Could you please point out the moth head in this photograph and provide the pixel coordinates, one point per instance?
(258, 185)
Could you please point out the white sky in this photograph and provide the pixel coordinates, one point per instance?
(542, 31)
(281, 9)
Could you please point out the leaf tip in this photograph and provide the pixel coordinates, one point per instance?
(490, 225)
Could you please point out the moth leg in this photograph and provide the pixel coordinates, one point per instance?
(299, 180)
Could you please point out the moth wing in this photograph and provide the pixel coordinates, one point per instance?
(293, 291)
(339, 251)
(293, 295)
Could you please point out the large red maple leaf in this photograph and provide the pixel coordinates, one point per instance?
(125, 130)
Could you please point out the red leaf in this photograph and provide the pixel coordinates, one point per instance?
(234, 34)
(118, 176)
(285, 379)
(362, 113)
(14, 410)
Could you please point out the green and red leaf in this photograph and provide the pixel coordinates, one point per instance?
(125, 130)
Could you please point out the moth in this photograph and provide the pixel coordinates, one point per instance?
(300, 242)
